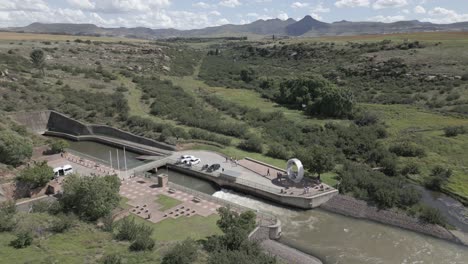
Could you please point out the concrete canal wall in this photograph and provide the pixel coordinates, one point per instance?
(49, 122)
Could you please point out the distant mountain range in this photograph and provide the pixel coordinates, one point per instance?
(307, 26)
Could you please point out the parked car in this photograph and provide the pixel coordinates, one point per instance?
(193, 161)
(213, 167)
(184, 158)
(62, 171)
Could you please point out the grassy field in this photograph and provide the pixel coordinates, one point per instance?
(10, 36)
(166, 202)
(421, 36)
(426, 129)
(86, 244)
(195, 227)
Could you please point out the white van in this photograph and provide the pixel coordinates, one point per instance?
(62, 171)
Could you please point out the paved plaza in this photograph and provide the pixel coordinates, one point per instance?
(142, 194)
(256, 174)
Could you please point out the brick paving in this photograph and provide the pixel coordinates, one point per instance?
(142, 195)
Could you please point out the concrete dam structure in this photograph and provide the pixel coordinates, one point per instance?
(52, 123)
(237, 176)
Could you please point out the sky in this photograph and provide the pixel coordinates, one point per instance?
(189, 14)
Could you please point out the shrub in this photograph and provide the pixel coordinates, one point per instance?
(453, 131)
(439, 176)
(366, 119)
(37, 176)
(58, 146)
(432, 216)
(128, 229)
(411, 168)
(277, 151)
(138, 234)
(408, 196)
(142, 243)
(253, 143)
(23, 239)
(62, 223)
(183, 253)
(111, 259)
(14, 149)
(408, 149)
(7, 213)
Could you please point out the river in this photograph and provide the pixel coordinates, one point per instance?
(339, 239)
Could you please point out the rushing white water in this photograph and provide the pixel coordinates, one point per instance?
(339, 239)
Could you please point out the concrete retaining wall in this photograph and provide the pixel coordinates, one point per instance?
(43, 121)
(293, 201)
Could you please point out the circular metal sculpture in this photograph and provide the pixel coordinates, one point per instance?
(292, 175)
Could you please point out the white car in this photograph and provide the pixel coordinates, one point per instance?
(62, 171)
(184, 158)
(192, 161)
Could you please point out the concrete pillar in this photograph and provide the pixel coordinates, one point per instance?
(275, 230)
(163, 179)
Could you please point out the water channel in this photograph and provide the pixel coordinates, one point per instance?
(103, 153)
(331, 237)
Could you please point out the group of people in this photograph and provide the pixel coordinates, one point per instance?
(232, 160)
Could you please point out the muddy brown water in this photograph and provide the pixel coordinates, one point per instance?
(339, 239)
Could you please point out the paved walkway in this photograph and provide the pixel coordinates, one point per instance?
(142, 195)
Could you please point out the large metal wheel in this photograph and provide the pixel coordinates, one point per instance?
(292, 175)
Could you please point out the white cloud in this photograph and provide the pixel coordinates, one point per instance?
(444, 16)
(405, 11)
(319, 8)
(316, 16)
(381, 4)
(419, 10)
(387, 19)
(23, 5)
(215, 13)
(352, 3)
(230, 3)
(201, 5)
(283, 16)
(252, 15)
(82, 4)
(222, 21)
(121, 6)
(299, 5)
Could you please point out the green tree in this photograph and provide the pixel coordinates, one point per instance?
(14, 149)
(37, 176)
(38, 60)
(317, 159)
(231, 220)
(90, 197)
(334, 102)
(58, 146)
(185, 252)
